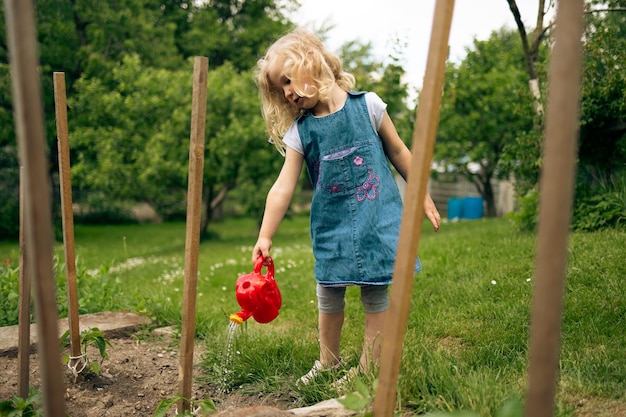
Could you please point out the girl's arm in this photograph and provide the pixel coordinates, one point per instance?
(400, 157)
(278, 200)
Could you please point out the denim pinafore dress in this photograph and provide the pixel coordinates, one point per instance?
(356, 207)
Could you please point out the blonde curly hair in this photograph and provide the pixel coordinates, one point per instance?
(300, 52)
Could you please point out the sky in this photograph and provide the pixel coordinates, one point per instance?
(382, 21)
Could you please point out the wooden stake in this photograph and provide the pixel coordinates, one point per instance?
(424, 137)
(22, 36)
(192, 242)
(555, 207)
(23, 338)
(65, 180)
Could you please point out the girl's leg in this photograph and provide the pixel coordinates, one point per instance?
(375, 300)
(331, 302)
(372, 343)
(330, 334)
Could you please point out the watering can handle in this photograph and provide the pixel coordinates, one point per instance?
(260, 263)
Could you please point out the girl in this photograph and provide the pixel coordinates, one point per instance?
(345, 138)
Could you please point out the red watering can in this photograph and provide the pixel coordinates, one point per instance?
(257, 295)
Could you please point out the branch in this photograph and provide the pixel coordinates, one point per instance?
(524, 36)
(612, 9)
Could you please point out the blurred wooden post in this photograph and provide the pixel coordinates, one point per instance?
(65, 180)
(555, 207)
(24, 61)
(192, 242)
(424, 137)
(23, 338)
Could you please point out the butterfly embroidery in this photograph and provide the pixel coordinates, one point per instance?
(369, 189)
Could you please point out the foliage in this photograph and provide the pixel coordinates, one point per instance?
(117, 137)
(198, 408)
(25, 407)
(89, 337)
(512, 407)
(603, 104)
(386, 79)
(9, 289)
(601, 203)
(93, 46)
(526, 215)
(10, 208)
(361, 399)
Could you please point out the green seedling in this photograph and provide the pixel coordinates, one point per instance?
(18, 406)
(89, 337)
(199, 408)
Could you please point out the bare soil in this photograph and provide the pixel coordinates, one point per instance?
(135, 377)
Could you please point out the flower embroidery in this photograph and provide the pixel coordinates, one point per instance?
(358, 161)
(369, 189)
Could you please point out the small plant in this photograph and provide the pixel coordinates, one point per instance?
(19, 406)
(361, 399)
(202, 408)
(88, 337)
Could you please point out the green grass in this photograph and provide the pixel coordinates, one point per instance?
(466, 342)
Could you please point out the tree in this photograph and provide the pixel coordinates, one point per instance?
(88, 41)
(386, 79)
(603, 111)
(234, 31)
(485, 107)
(602, 144)
(132, 142)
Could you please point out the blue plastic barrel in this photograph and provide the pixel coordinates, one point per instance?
(455, 208)
(472, 207)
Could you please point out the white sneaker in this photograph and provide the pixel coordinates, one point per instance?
(345, 381)
(317, 369)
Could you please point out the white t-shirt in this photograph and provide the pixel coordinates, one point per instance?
(375, 107)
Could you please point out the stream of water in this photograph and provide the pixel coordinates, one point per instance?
(227, 358)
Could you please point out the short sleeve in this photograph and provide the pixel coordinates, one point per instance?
(292, 139)
(376, 108)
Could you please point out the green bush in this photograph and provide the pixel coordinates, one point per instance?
(9, 292)
(10, 207)
(526, 216)
(601, 205)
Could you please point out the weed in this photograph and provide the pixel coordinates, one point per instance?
(18, 406)
(200, 408)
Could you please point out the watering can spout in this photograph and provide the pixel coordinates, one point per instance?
(257, 294)
(239, 318)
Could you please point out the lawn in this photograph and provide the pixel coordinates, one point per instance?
(466, 342)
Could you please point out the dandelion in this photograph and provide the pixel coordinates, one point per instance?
(493, 282)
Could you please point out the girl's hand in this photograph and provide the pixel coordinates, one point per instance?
(431, 212)
(262, 248)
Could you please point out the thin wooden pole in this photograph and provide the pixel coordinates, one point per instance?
(22, 36)
(555, 207)
(60, 104)
(194, 216)
(23, 338)
(424, 137)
